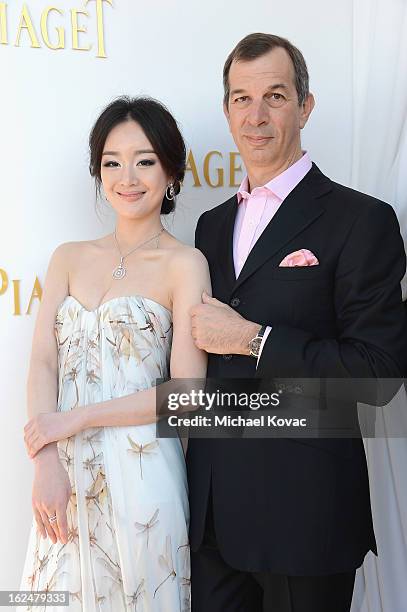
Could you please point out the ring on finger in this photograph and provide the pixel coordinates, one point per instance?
(53, 518)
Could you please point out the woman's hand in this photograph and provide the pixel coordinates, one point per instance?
(50, 495)
(48, 427)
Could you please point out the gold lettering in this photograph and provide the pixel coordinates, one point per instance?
(233, 169)
(36, 294)
(26, 23)
(4, 281)
(3, 23)
(219, 170)
(100, 30)
(76, 29)
(17, 306)
(44, 29)
(191, 166)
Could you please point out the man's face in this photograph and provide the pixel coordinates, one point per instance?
(264, 116)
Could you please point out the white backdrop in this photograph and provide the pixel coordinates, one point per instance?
(173, 50)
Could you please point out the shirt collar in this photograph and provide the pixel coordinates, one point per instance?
(280, 185)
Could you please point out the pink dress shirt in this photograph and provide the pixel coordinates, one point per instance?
(257, 208)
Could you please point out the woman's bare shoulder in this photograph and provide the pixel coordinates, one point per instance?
(188, 276)
(184, 257)
(69, 251)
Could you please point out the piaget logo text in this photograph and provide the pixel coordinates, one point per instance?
(214, 169)
(55, 28)
(36, 293)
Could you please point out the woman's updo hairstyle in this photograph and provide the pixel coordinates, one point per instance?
(160, 128)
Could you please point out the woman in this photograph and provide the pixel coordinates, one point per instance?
(109, 499)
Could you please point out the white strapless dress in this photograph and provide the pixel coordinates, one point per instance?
(128, 513)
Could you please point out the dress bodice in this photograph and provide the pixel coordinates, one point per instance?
(119, 348)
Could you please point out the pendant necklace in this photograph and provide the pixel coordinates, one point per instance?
(120, 271)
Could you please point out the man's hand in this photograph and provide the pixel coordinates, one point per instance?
(48, 427)
(217, 328)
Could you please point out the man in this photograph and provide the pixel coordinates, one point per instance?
(306, 282)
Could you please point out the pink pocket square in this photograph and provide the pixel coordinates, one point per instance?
(303, 257)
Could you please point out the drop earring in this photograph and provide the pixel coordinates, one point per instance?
(170, 192)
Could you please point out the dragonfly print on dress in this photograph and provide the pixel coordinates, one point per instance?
(146, 527)
(128, 504)
(142, 451)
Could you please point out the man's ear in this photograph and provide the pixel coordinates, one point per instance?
(306, 109)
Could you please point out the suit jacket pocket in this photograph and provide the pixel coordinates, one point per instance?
(297, 272)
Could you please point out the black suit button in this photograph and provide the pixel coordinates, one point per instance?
(235, 302)
(227, 357)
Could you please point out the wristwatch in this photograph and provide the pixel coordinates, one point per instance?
(255, 343)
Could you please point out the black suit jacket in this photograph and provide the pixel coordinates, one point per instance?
(301, 506)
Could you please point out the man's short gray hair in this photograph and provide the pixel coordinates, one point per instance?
(255, 45)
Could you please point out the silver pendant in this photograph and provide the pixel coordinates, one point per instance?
(120, 271)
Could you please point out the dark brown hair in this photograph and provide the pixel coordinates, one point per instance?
(255, 45)
(160, 128)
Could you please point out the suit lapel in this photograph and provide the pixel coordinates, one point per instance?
(301, 208)
(225, 251)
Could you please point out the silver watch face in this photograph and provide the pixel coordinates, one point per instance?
(254, 346)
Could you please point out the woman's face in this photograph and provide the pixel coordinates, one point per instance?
(133, 178)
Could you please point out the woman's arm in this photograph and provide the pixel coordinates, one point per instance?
(189, 278)
(51, 489)
(42, 384)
